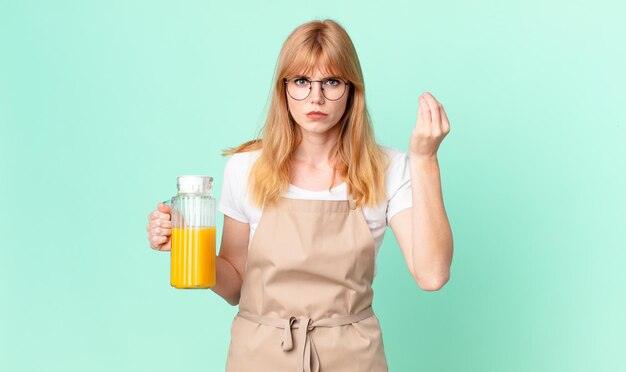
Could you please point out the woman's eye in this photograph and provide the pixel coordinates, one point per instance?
(300, 81)
(332, 82)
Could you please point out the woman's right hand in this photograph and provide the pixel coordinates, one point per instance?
(159, 228)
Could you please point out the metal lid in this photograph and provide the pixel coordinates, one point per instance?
(194, 184)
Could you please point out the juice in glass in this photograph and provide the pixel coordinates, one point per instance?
(193, 257)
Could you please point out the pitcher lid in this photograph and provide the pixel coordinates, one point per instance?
(194, 184)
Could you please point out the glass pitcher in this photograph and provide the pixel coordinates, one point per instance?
(193, 234)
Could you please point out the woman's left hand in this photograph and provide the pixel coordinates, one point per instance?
(431, 127)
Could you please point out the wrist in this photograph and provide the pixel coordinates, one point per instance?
(421, 158)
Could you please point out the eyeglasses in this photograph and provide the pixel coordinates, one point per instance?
(299, 88)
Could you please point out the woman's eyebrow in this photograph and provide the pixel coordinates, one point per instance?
(325, 77)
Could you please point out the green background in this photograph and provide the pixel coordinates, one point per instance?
(104, 103)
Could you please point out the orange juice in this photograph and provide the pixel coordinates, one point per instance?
(193, 257)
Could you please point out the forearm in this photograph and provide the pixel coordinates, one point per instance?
(431, 235)
(227, 281)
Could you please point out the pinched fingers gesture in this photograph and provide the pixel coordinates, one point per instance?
(431, 127)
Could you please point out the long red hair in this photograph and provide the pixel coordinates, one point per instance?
(358, 158)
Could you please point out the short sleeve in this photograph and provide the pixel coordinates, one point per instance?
(233, 191)
(398, 185)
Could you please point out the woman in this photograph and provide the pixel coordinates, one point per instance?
(299, 259)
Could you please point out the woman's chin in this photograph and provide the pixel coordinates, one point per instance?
(317, 127)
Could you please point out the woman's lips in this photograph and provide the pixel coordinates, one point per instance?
(316, 115)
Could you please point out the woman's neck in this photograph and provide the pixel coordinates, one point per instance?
(315, 149)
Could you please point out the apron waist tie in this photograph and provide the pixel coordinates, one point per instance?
(308, 360)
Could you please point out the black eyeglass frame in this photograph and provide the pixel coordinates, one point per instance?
(345, 88)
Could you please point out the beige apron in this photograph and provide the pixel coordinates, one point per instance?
(306, 297)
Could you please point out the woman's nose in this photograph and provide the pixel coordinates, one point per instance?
(316, 92)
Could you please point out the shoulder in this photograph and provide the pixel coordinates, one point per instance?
(244, 158)
(397, 159)
(398, 172)
(233, 200)
(242, 161)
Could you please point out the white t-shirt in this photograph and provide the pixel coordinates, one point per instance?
(235, 202)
